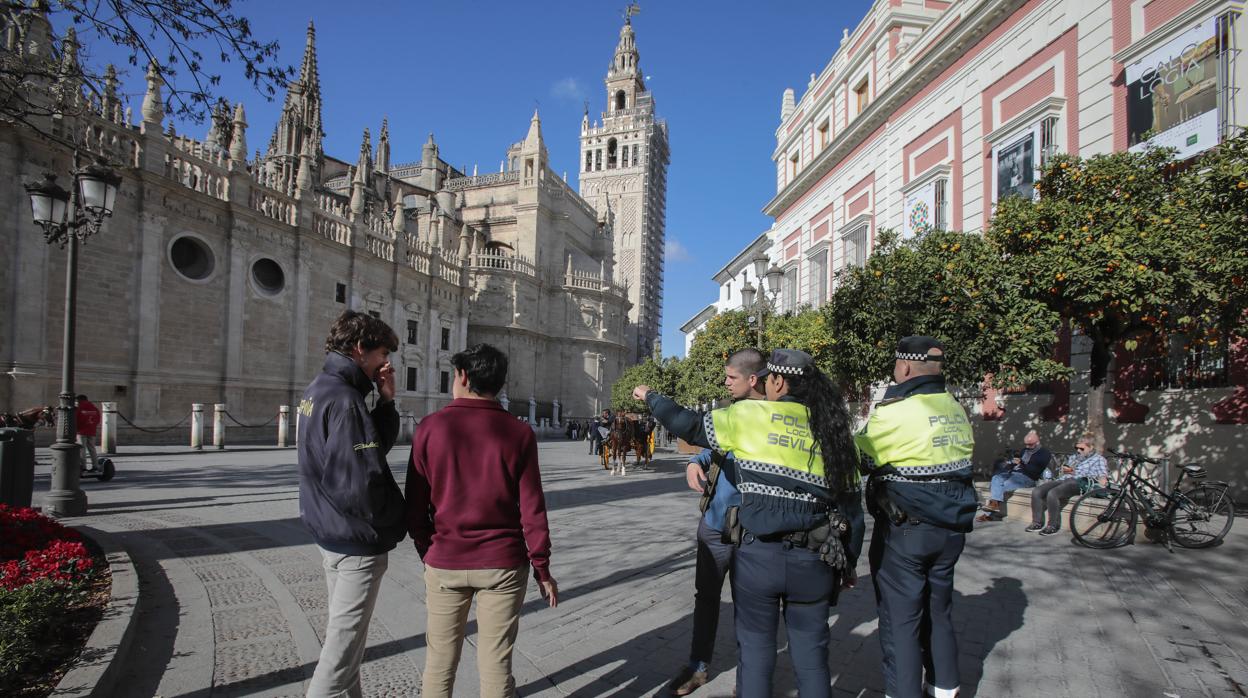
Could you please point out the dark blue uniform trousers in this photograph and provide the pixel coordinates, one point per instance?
(912, 570)
(769, 576)
(714, 561)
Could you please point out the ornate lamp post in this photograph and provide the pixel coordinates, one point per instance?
(68, 218)
(764, 295)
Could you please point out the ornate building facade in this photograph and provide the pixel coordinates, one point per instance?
(220, 272)
(624, 162)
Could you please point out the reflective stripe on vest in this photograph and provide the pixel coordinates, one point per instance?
(927, 434)
(767, 437)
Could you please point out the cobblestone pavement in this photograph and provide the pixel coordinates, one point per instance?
(233, 597)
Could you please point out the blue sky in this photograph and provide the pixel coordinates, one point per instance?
(472, 73)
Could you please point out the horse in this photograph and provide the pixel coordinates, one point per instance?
(42, 416)
(628, 435)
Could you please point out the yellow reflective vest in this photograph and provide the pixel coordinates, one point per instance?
(782, 488)
(924, 434)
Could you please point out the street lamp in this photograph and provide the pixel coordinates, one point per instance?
(68, 218)
(760, 300)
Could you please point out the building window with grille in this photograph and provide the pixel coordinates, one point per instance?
(598, 160)
(940, 212)
(793, 163)
(411, 379)
(823, 134)
(444, 382)
(817, 276)
(340, 293)
(857, 246)
(446, 338)
(589, 160)
(612, 153)
(789, 302)
(1048, 141)
(413, 329)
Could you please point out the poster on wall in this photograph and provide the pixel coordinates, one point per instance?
(1172, 94)
(920, 210)
(1016, 168)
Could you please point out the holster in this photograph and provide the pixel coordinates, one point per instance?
(731, 534)
(879, 504)
(712, 477)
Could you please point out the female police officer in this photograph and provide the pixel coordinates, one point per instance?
(800, 516)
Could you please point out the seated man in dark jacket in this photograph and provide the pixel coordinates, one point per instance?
(1010, 474)
(348, 498)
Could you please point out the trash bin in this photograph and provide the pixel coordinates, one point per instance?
(17, 466)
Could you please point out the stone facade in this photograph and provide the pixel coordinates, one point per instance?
(624, 171)
(218, 275)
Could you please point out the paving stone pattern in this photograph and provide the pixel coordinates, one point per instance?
(233, 595)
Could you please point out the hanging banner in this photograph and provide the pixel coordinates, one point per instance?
(1172, 94)
(1016, 166)
(920, 210)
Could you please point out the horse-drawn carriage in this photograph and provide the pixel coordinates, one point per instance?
(629, 433)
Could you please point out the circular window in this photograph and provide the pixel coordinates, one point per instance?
(192, 258)
(268, 276)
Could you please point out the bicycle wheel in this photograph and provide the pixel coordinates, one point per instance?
(1203, 516)
(1103, 523)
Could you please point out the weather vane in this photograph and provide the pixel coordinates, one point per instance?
(629, 11)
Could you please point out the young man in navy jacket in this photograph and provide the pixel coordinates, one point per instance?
(348, 498)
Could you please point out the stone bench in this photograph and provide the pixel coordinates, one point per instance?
(1021, 501)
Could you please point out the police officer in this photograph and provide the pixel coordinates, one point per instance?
(917, 448)
(799, 521)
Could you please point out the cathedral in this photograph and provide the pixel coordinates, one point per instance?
(218, 275)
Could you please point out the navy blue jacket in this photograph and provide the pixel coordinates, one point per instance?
(348, 497)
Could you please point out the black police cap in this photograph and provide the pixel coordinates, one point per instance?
(916, 348)
(788, 362)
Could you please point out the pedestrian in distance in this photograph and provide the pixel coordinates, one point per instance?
(477, 514)
(87, 419)
(917, 447)
(705, 475)
(348, 498)
(798, 528)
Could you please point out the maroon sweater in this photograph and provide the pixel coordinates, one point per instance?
(474, 493)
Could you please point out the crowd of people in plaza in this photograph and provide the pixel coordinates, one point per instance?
(785, 482)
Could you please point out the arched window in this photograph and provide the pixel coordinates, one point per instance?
(620, 99)
(612, 155)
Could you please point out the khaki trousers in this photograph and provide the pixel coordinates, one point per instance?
(353, 582)
(448, 594)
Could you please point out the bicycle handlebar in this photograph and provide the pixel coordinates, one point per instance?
(1134, 457)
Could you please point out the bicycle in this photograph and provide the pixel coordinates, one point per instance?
(1199, 517)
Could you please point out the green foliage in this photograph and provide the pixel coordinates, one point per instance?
(806, 330)
(659, 376)
(28, 623)
(951, 285)
(701, 376)
(1127, 249)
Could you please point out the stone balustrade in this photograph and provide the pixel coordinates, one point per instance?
(481, 180)
(332, 228)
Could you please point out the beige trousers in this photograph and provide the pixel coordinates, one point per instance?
(448, 594)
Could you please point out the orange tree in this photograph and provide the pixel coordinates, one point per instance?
(660, 376)
(701, 375)
(1129, 249)
(950, 285)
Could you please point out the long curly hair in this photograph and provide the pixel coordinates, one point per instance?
(830, 425)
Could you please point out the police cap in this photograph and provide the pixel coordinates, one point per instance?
(788, 362)
(916, 348)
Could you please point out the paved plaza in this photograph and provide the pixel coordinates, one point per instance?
(233, 597)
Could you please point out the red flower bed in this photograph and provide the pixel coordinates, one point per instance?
(34, 547)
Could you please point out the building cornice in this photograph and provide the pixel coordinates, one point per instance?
(737, 263)
(1158, 36)
(949, 48)
(703, 315)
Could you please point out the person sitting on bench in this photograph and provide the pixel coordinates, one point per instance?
(1009, 474)
(1080, 472)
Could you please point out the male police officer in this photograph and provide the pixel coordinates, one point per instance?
(917, 447)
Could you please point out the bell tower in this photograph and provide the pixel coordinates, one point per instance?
(623, 166)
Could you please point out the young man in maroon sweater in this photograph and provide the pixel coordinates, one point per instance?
(477, 514)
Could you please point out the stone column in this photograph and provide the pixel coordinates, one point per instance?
(555, 414)
(218, 426)
(533, 411)
(197, 426)
(283, 425)
(108, 428)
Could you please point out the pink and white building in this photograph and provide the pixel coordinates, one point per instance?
(931, 110)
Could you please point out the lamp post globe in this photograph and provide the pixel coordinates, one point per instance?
(747, 296)
(760, 265)
(774, 276)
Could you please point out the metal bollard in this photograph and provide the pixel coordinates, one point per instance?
(108, 428)
(297, 418)
(283, 425)
(197, 426)
(218, 426)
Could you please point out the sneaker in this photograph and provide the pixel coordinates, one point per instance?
(1033, 528)
(1048, 531)
(688, 681)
